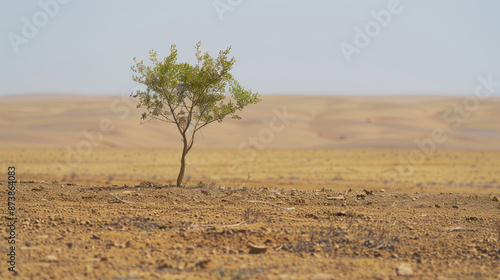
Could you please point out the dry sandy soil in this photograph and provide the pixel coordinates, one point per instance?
(69, 231)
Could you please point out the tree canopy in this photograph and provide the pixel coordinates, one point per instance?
(190, 96)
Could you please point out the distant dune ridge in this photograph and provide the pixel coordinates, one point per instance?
(293, 121)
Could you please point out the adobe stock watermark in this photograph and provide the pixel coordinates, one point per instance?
(120, 106)
(372, 29)
(31, 26)
(249, 148)
(225, 6)
(454, 117)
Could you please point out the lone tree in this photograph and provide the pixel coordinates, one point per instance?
(191, 97)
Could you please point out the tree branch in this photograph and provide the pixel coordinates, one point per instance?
(151, 117)
(172, 110)
(209, 122)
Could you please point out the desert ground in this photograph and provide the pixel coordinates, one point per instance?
(301, 188)
(71, 231)
(302, 169)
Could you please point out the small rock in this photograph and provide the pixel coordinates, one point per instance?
(202, 264)
(341, 213)
(129, 244)
(164, 265)
(437, 206)
(404, 269)
(51, 258)
(382, 190)
(367, 192)
(257, 249)
(416, 256)
(494, 198)
(217, 216)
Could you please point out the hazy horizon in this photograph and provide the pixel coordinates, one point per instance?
(284, 94)
(384, 47)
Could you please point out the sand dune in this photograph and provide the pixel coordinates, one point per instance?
(336, 122)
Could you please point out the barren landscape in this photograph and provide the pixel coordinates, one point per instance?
(302, 122)
(69, 231)
(304, 187)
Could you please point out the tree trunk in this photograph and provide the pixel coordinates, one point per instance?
(183, 163)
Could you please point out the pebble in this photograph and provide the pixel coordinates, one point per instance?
(257, 249)
(51, 258)
(202, 264)
(130, 244)
(404, 269)
(495, 198)
(341, 213)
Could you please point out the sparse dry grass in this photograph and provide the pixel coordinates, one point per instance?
(443, 171)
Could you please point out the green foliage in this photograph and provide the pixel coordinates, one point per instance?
(190, 96)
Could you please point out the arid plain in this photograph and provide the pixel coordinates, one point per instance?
(381, 187)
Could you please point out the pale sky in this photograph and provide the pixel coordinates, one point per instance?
(281, 47)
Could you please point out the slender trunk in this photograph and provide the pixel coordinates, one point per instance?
(183, 163)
